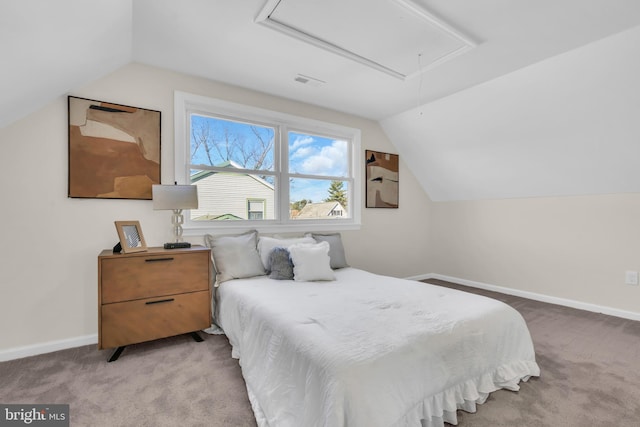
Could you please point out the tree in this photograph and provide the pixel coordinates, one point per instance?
(215, 141)
(297, 206)
(337, 194)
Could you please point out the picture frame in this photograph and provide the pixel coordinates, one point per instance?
(131, 237)
(382, 179)
(114, 150)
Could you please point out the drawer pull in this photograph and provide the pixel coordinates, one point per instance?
(158, 259)
(159, 301)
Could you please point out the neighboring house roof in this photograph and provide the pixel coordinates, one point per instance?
(228, 164)
(216, 217)
(320, 210)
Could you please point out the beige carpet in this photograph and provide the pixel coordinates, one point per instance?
(170, 382)
(590, 371)
(590, 378)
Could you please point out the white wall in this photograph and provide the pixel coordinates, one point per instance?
(575, 248)
(48, 275)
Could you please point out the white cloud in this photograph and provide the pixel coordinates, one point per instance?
(302, 153)
(300, 142)
(330, 160)
(317, 164)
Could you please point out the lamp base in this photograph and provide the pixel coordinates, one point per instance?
(177, 245)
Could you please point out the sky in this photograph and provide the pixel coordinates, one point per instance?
(308, 154)
(315, 155)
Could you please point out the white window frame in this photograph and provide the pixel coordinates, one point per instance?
(187, 103)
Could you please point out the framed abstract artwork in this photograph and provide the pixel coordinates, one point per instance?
(114, 150)
(381, 174)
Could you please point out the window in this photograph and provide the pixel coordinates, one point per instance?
(255, 209)
(256, 168)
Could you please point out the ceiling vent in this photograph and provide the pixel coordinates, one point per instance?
(311, 81)
(386, 35)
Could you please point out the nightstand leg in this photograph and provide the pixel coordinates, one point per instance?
(196, 337)
(116, 354)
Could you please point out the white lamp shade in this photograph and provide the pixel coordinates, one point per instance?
(170, 197)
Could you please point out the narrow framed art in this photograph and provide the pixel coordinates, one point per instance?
(381, 174)
(114, 150)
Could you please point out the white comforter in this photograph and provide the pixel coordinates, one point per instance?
(369, 350)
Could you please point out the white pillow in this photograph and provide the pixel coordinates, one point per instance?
(235, 257)
(311, 262)
(336, 249)
(266, 244)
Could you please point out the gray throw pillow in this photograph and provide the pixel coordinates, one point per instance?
(336, 249)
(235, 257)
(281, 265)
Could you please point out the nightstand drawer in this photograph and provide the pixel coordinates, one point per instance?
(144, 276)
(136, 321)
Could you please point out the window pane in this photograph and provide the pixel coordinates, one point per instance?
(318, 199)
(232, 196)
(317, 155)
(256, 209)
(217, 142)
(256, 205)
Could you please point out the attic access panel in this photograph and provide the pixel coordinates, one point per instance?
(398, 37)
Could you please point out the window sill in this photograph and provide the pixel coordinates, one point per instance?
(269, 228)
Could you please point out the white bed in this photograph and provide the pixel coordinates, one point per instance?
(368, 350)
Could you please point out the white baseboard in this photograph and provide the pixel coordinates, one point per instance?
(534, 296)
(47, 347)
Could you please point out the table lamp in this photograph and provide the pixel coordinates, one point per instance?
(175, 198)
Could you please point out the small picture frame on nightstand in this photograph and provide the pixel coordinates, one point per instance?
(130, 235)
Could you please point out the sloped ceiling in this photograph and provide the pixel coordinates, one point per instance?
(50, 47)
(569, 125)
(475, 105)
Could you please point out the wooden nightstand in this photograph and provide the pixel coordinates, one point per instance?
(149, 295)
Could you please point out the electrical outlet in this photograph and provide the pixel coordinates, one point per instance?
(631, 278)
